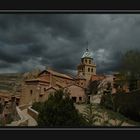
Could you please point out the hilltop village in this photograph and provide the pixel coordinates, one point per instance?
(48, 81)
(38, 89)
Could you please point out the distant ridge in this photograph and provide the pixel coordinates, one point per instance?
(9, 80)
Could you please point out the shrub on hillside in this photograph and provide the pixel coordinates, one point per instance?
(59, 111)
(107, 101)
(37, 106)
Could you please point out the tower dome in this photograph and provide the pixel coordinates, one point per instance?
(87, 67)
(87, 54)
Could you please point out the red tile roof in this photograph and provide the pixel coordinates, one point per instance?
(97, 77)
(6, 95)
(57, 74)
(37, 80)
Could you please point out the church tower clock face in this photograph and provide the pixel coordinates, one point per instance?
(87, 67)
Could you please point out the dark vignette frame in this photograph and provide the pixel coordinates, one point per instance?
(75, 7)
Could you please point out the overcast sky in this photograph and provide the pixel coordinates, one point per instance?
(29, 41)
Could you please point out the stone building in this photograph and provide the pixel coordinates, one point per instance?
(80, 80)
(48, 81)
(77, 93)
(97, 77)
(7, 98)
(38, 89)
(87, 67)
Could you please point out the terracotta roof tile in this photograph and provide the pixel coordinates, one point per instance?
(97, 77)
(5, 94)
(57, 74)
(37, 80)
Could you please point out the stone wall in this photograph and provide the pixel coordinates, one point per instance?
(23, 120)
(22, 107)
(27, 96)
(77, 93)
(95, 99)
(33, 113)
(39, 94)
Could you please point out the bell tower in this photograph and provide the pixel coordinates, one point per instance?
(87, 67)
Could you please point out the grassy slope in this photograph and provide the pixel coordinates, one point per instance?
(118, 116)
(110, 115)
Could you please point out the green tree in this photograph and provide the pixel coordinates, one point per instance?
(90, 114)
(130, 68)
(130, 62)
(93, 87)
(37, 106)
(107, 97)
(59, 111)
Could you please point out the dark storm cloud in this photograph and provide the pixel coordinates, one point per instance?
(29, 41)
(25, 28)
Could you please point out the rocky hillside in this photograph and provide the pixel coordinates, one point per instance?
(10, 81)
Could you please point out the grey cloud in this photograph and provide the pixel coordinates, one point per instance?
(59, 40)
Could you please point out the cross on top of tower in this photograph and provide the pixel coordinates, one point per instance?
(87, 53)
(87, 46)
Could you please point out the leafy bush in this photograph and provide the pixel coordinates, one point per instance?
(93, 87)
(59, 111)
(107, 101)
(37, 106)
(9, 119)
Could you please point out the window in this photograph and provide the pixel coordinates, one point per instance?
(31, 91)
(44, 89)
(85, 60)
(89, 61)
(41, 95)
(92, 70)
(74, 99)
(80, 98)
(88, 69)
(89, 98)
(81, 83)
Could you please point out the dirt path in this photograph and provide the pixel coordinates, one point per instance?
(31, 121)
